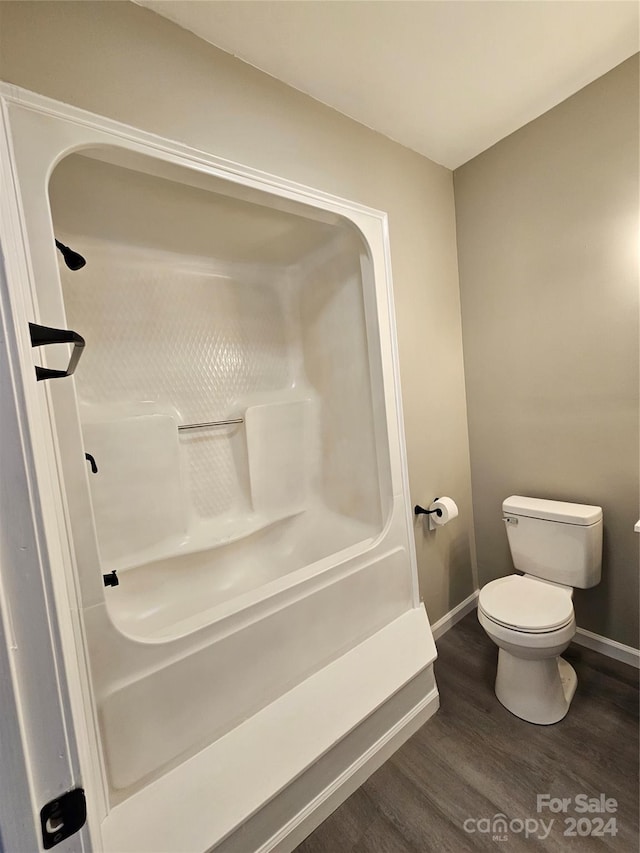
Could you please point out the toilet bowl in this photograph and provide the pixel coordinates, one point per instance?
(532, 680)
(529, 616)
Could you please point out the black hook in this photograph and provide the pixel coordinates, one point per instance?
(111, 579)
(73, 260)
(92, 462)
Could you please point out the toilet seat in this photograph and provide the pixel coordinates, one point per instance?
(526, 605)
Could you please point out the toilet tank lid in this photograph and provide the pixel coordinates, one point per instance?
(562, 511)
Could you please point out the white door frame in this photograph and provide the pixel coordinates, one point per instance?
(38, 751)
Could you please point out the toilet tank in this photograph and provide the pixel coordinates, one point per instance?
(554, 540)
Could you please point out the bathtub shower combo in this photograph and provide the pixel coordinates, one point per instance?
(221, 496)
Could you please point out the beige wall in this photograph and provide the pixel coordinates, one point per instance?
(125, 62)
(547, 225)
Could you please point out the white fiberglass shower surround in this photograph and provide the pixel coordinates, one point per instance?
(230, 449)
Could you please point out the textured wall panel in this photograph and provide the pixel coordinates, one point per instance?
(178, 335)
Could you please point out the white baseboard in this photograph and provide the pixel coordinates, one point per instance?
(610, 648)
(454, 615)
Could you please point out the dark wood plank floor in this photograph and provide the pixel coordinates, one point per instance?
(474, 759)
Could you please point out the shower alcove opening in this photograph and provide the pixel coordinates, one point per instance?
(265, 647)
(225, 391)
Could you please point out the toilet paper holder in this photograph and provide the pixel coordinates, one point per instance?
(440, 512)
(420, 510)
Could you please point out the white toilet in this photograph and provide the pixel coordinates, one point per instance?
(530, 617)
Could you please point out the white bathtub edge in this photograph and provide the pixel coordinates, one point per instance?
(334, 794)
(216, 794)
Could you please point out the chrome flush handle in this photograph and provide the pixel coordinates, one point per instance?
(509, 519)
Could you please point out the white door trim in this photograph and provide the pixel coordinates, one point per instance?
(36, 717)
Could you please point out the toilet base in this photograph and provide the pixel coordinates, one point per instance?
(538, 691)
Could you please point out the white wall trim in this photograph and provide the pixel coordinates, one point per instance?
(610, 648)
(454, 615)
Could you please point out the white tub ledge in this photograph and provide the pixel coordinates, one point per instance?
(234, 794)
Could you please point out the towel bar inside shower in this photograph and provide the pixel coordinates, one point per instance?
(207, 424)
